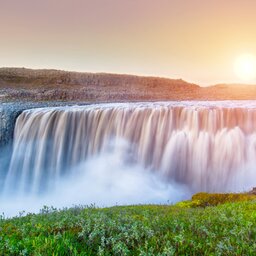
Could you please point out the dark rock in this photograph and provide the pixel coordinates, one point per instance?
(253, 191)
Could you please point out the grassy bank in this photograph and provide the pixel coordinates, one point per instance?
(207, 225)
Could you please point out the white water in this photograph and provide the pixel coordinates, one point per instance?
(103, 180)
(170, 148)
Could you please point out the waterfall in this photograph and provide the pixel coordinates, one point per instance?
(8, 115)
(207, 146)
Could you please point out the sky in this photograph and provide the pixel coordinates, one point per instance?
(196, 40)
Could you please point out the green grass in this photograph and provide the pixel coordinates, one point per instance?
(187, 228)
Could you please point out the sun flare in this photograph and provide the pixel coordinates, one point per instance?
(245, 67)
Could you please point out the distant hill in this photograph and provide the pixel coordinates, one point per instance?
(28, 84)
(50, 85)
(231, 92)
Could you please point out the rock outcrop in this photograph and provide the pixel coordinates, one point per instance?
(41, 85)
(55, 85)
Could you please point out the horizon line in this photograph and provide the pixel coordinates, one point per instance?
(131, 74)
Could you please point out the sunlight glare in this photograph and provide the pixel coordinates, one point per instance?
(245, 67)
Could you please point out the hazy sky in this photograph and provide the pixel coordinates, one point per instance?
(197, 40)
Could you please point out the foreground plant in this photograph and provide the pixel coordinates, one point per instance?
(226, 229)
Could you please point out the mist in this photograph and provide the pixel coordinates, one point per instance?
(104, 180)
(119, 154)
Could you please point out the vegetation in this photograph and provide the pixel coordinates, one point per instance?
(206, 199)
(229, 228)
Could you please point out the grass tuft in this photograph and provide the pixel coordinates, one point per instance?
(227, 227)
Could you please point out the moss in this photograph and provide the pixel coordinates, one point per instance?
(189, 203)
(213, 199)
(203, 199)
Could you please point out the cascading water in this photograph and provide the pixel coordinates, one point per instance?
(204, 146)
(129, 153)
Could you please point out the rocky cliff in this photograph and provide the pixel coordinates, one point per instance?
(55, 85)
(27, 84)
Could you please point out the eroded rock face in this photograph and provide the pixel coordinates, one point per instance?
(8, 115)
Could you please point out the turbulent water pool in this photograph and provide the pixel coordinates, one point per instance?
(126, 153)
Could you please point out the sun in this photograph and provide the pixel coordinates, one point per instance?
(245, 67)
